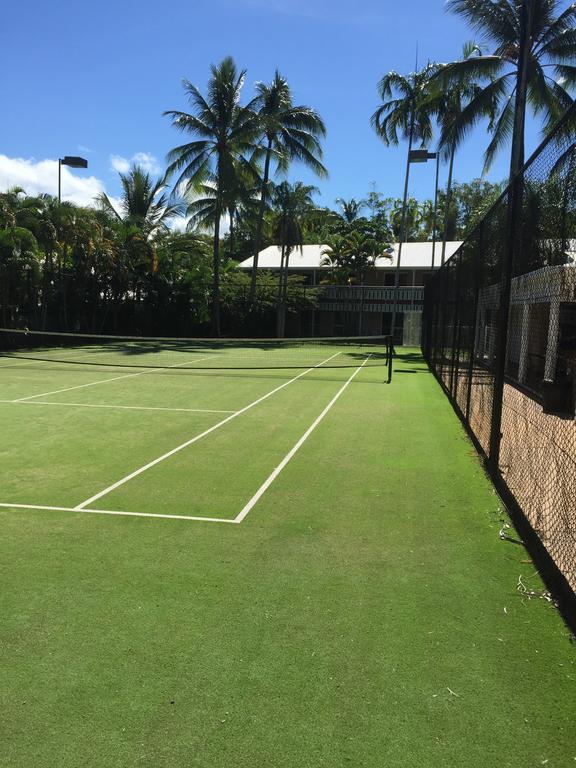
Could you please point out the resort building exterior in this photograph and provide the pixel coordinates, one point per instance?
(365, 309)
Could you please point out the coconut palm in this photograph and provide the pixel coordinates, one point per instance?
(447, 104)
(350, 210)
(291, 203)
(289, 132)
(227, 133)
(534, 47)
(143, 203)
(353, 252)
(409, 210)
(238, 201)
(405, 112)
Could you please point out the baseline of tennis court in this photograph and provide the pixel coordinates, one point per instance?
(160, 442)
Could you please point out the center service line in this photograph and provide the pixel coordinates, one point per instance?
(195, 439)
(268, 482)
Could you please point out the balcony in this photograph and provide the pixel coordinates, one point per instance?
(336, 298)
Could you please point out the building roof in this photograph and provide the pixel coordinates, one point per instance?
(414, 256)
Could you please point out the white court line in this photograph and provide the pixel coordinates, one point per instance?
(19, 361)
(111, 512)
(268, 482)
(102, 381)
(122, 407)
(195, 439)
(74, 356)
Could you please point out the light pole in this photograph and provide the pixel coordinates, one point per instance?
(73, 162)
(414, 156)
(435, 216)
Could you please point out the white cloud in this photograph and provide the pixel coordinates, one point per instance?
(145, 160)
(119, 164)
(41, 177)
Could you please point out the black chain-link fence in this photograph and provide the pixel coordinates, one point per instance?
(500, 335)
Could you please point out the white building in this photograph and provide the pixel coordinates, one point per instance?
(365, 309)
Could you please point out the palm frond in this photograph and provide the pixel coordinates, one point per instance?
(480, 107)
(502, 131)
(563, 23)
(494, 20)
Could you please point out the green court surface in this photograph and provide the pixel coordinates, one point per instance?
(290, 566)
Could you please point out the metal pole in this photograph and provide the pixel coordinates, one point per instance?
(435, 208)
(59, 180)
(402, 227)
(476, 267)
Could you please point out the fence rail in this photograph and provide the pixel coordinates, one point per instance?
(500, 335)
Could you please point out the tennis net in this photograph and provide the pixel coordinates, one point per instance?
(189, 353)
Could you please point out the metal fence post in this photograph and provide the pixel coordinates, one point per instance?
(456, 323)
(477, 279)
(514, 222)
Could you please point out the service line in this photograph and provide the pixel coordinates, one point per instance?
(274, 474)
(104, 381)
(120, 407)
(195, 439)
(119, 513)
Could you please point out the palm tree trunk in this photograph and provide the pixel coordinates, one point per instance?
(260, 221)
(232, 214)
(517, 154)
(280, 289)
(285, 291)
(216, 274)
(514, 223)
(447, 203)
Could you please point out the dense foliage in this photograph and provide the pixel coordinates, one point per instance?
(97, 269)
(164, 259)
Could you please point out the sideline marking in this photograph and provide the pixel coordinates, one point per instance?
(102, 381)
(274, 474)
(112, 512)
(11, 365)
(123, 407)
(195, 439)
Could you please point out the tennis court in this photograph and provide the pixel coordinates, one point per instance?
(363, 612)
(150, 427)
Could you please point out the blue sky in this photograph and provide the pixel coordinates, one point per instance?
(94, 78)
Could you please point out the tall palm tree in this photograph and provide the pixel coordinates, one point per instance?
(534, 48)
(448, 104)
(405, 112)
(350, 210)
(238, 201)
(412, 211)
(289, 132)
(227, 133)
(291, 202)
(143, 203)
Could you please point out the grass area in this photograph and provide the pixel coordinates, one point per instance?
(365, 613)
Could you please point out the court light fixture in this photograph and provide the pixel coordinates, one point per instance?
(421, 156)
(73, 162)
